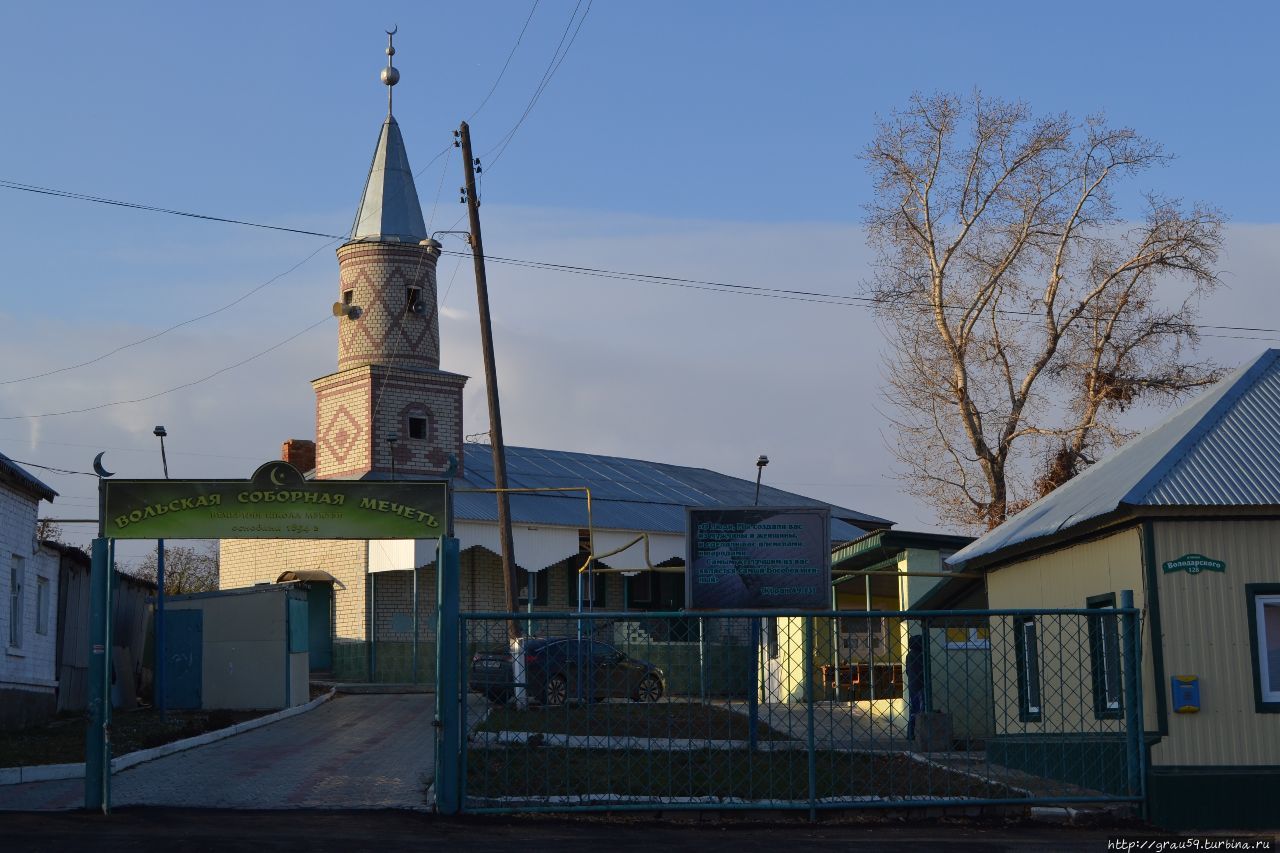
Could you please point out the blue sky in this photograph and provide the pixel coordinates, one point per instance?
(714, 140)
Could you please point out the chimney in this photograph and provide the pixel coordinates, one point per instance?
(300, 453)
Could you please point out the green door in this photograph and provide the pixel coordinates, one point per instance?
(320, 625)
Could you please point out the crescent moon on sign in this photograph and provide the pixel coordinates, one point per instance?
(277, 477)
(97, 466)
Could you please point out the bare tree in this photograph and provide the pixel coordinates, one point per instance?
(186, 569)
(1024, 313)
(48, 530)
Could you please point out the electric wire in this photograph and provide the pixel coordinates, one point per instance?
(557, 58)
(505, 65)
(167, 391)
(674, 281)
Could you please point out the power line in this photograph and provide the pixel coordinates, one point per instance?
(557, 58)
(181, 387)
(43, 443)
(31, 188)
(651, 278)
(494, 87)
(54, 470)
(164, 332)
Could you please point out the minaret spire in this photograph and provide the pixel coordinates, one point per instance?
(390, 75)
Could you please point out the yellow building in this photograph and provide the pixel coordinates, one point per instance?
(1187, 516)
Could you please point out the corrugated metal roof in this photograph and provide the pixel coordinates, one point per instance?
(1222, 449)
(626, 494)
(16, 475)
(389, 209)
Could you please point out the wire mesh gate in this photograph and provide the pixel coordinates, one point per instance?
(800, 710)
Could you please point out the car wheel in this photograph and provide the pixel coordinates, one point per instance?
(557, 690)
(649, 689)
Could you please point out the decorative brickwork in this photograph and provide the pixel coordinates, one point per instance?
(357, 409)
(379, 277)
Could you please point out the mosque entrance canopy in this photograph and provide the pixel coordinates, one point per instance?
(275, 503)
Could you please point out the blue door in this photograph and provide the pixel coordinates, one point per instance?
(184, 658)
(319, 626)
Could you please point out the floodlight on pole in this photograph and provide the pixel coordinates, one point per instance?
(760, 463)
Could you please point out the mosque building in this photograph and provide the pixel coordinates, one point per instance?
(390, 411)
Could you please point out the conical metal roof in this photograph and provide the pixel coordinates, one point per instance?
(389, 209)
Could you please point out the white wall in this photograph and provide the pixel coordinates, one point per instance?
(28, 665)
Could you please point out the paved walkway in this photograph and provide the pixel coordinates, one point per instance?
(352, 752)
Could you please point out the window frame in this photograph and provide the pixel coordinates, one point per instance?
(1104, 646)
(412, 298)
(1257, 596)
(1028, 677)
(421, 420)
(42, 605)
(972, 641)
(540, 587)
(594, 602)
(17, 594)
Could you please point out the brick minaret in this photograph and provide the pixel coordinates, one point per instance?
(389, 380)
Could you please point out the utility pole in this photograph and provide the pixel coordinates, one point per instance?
(491, 383)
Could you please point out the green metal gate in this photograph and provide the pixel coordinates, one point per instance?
(799, 710)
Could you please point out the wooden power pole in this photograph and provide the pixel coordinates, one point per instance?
(491, 384)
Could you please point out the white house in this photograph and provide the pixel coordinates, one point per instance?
(28, 602)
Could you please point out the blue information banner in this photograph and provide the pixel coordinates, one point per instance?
(758, 557)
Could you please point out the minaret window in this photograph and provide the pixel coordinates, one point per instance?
(417, 427)
(413, 300)
(348, 296)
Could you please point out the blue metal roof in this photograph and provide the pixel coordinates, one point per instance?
(1220, 450)
(626, 494)
(16, 475)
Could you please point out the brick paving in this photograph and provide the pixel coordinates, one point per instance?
(370, 751)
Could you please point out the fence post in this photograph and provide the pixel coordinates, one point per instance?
(1133, 696)
(753, 697)
(448, 720)
(97, 765)
(808, 698)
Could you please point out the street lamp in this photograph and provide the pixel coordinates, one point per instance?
(760, 463)
(158, 688)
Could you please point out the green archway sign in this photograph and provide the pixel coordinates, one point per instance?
(275, 503)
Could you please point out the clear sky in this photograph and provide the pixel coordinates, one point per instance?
(705, 140)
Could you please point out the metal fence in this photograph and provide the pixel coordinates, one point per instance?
(589, 711)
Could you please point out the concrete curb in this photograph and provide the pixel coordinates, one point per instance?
(53, 772)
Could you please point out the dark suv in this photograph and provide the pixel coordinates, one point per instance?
(557, 669)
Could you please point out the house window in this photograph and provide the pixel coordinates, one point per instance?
(417, 427)
(413, 300)
(1104, 657)
(594, 593)
(17, 569)
(1027, 649)
(971, 637)
(640, 588)
(42, 605)
(1264, 637)
(531, 581)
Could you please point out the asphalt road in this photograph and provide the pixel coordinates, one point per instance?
(371, 751)
(179, 831)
